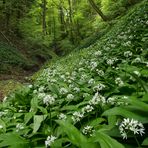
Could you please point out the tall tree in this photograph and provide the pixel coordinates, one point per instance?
(44, 3)
(98, 10)
(71, 21)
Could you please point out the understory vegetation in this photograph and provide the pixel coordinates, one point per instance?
(96, 97)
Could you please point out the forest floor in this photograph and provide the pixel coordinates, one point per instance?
(10, 82)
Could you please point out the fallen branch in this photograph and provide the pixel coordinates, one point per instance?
(7, 39)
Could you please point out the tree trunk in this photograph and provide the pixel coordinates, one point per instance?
(71, 22)
(98, 10)
(44, 17)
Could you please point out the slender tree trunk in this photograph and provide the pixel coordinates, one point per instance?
(44, 17)
(98, 10)
(62, 22)
(71, 21)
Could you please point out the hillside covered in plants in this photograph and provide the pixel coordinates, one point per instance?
(94, 97)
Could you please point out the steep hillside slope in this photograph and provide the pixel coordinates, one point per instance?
(93, 98)
(10, 58)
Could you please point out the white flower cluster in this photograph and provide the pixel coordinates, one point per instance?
(97, 99)
(91, 81)
(76, 89)
(98, 53)
(116, 101)
(100, 72)
(127, 44)
(110, 61)
(50, 140)
(93, 65)
(137, 60)
(48, 100)
(130, 125)
(19, 127)
(112, 100)
(137, 73)
(62, 116)
(88, 130)
(119, 82)
(63, 91)
(77, 116)
(99, 87)
(128, 54)
(1, 126)
(87, 109)
(70, 97)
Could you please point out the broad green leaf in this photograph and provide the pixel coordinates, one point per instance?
(145, 98)
(2, 123)
(43, 110)
(28, 117)
(12, 140)
(139, 104)
(106, 141)
(112, 120)
(38, 119)
(141, 82)
(96, 122)
(34, 103)
(75, 135)
(125, 113)
(145, 142)
(69, 107)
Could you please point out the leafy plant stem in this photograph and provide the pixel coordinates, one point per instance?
(50, 116)
(137, 142)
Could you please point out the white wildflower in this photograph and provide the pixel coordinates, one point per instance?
(146, 63)
(63, 91)
(70, 96)
(131, 125)
(35, 91)
(41, 89)
(53, 80)
(137, 60)
(19, 127)
(100, 72)
(93, 65)
(91, 81)
(76, 89)
(110, 61)
(128, 43)
(98, 53)
(62, 116)
(30, 86)
(97, 99)
(99, 87)
(48, 100)
(128, 54)
(1, 126)
(81, 69)
(41, 95)
(77, 116)
(137, 73)
(119, 82)
(4, 99)
(86, 95)
(50, 140)
(87, 109)
(112, 100)
(88, 130)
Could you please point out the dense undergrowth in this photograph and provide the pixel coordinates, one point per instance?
(94, 98)
(10, 57)
(14, 60)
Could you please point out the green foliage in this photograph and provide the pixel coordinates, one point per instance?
(96, 97)
(9, 57)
